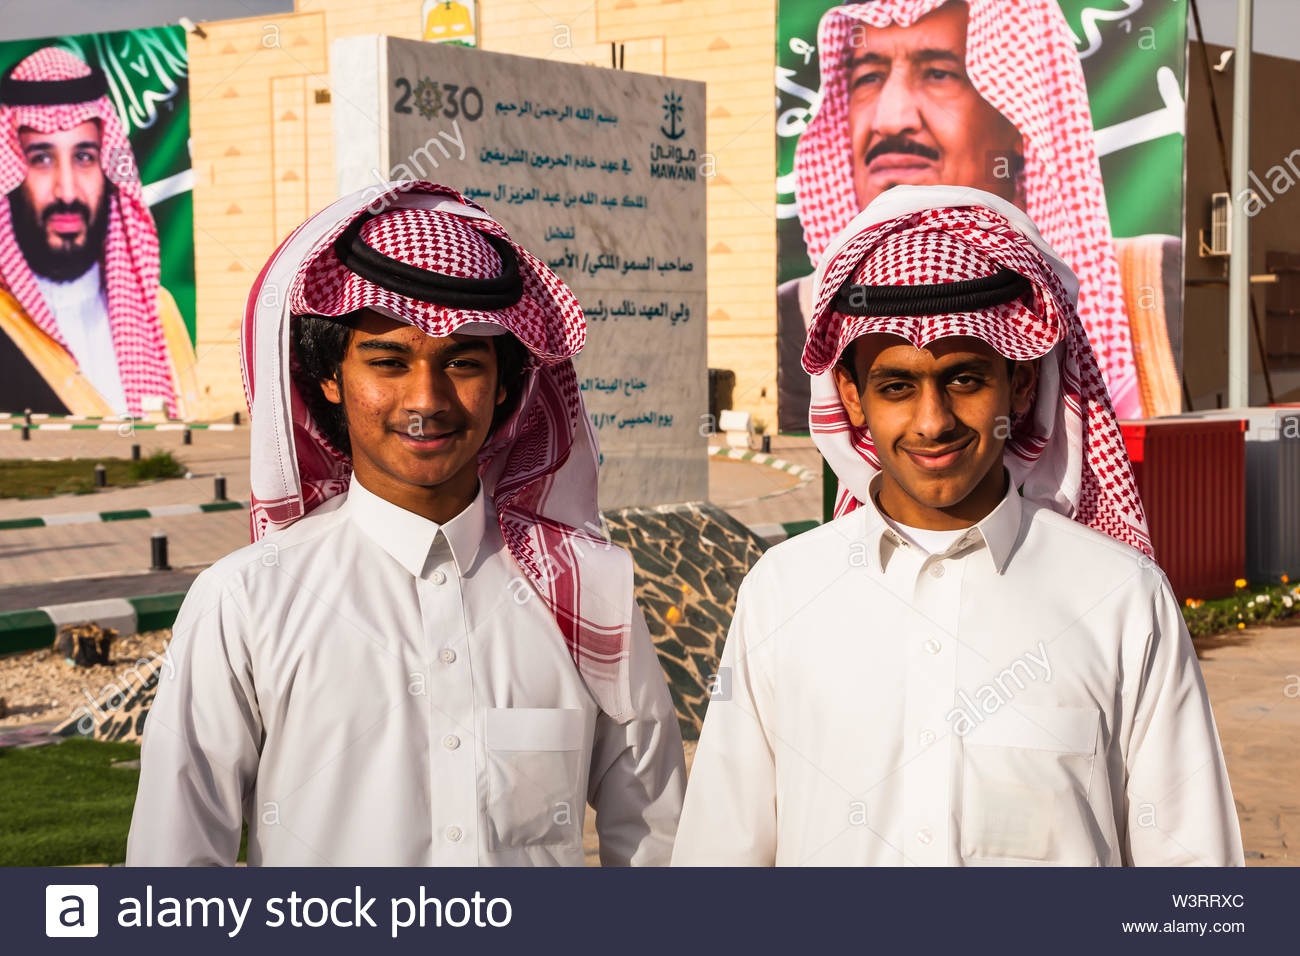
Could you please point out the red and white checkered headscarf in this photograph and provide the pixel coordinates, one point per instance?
(1066, 450)
(1020, 58)
(130, 260)
(539, 466)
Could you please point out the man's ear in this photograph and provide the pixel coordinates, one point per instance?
(849, 394)
(330, 388)
(1023, 380)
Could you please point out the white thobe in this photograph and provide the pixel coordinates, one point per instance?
(366, 688)
(1028, 695)
(81, 309)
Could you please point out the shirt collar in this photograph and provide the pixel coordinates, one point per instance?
(997, 531)
(409, 537)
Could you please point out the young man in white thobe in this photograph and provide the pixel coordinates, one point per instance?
(978, 662)
(429, 656)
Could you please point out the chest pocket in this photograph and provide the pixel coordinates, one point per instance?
(534, 758)
(1026, 777)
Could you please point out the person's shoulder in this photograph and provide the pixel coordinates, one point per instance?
(807, 556)
(1055, 540)
(233, 569)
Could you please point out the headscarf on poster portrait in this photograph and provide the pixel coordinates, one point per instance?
(1021, 59)
(539, 466)
(1066, 452)
(53, 90)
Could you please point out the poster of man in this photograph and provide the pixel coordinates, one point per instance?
(983, 94)
(86, 327)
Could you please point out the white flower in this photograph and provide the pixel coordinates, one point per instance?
(1286, 599)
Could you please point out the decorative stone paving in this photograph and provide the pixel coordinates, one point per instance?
(690, 560)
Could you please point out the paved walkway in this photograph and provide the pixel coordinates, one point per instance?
(733, 486)
(65, 552)
(1253, 678)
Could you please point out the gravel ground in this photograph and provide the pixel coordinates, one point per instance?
(40, 685)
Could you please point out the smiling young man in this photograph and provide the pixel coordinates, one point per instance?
(977, 662)
(430, 657)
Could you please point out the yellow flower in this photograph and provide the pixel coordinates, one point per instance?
(1285, 579)
(1240, 582)
(1190, 603)
(673, 615)
(1241, 625)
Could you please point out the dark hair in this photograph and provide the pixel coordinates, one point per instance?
(320, 344)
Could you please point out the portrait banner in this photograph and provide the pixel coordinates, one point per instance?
(1073, 110)
(97, 297)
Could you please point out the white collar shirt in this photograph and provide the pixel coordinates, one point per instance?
(1028, 695)
(81, 309)
(367, 688)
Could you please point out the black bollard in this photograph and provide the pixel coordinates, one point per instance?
(27, 433)
(27, 416)
(135, 452)
(219, 488)
(187, 437)
(101, 476)
(236, 418)
(767, 444)
(158, 548)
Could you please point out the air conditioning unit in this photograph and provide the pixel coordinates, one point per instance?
(1220, 226)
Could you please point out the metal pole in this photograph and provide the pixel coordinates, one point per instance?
(219, 488)
(158, 551)
(1239, 261)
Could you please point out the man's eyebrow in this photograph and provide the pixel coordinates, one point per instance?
(935, 54)
(883, 372)
(87, 144)
(456, 348)
(382, 345)
(33, 147)
(968, 365)
(865, 59)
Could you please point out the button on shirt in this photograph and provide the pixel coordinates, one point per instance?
(1028, 695)
(369, 688)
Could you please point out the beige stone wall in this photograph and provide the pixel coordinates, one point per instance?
(263, 148)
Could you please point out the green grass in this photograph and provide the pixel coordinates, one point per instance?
(64, 804)
(27, 478)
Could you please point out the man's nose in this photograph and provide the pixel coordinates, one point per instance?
(65, 184)
(896, 110)
(429, 392)
(932, 418)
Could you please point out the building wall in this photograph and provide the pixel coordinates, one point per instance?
(1275, 112)
(263, 148)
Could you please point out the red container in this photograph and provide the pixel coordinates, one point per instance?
(1191, 474)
